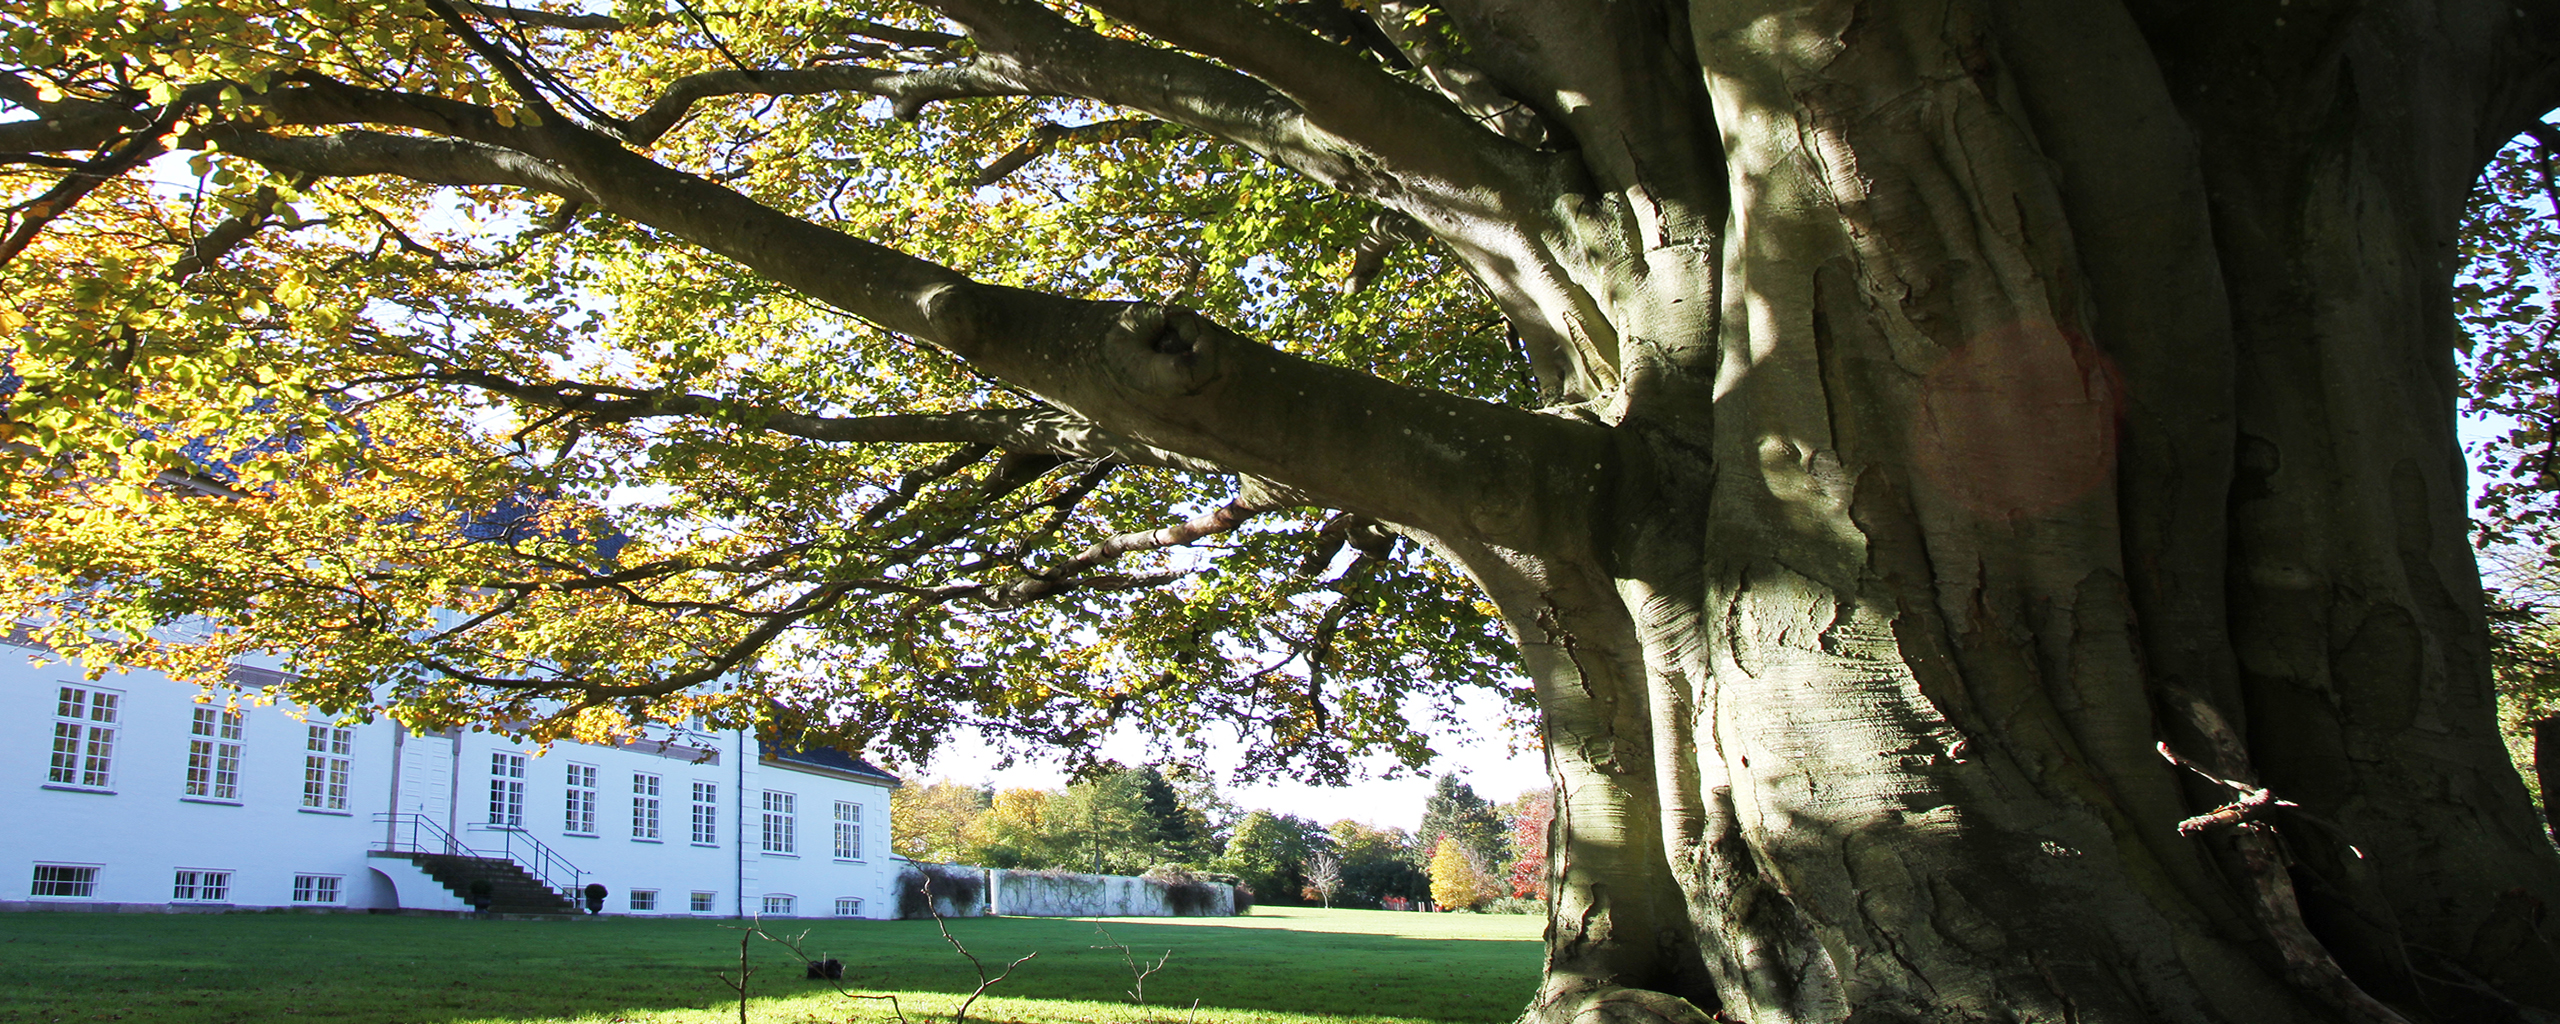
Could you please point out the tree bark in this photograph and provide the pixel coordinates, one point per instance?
(2067, 368)
(1994, 547)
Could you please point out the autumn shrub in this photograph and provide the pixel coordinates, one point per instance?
(1186, 892)
(959, 886)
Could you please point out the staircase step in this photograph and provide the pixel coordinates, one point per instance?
(510, 889)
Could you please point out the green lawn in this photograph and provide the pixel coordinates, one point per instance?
(1280, 966)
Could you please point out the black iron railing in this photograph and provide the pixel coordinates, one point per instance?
(541, 861)
(418, 833)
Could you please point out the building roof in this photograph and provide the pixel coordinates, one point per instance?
(823, 761)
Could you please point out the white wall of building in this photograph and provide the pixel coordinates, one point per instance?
(121, 839)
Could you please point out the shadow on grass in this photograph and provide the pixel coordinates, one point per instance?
(355, 968)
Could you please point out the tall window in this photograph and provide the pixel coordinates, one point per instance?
(315, 888)
(781, 822)
(65, 881)
(84, 736)
(780, 905)
(324, 767)
(213, 754)
(196, 886)
(582, 800)
(506, 789)
(706, 814)
(848, 830)
(644, 806)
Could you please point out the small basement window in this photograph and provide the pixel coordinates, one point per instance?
(65, 881)
(315, 888)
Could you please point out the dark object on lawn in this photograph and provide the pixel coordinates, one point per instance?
(830, 969)
(595, 897)
(479, 895)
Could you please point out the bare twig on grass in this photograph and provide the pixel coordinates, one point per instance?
(984, 982)
(1137, 968)
(747, 934)
(836, 977)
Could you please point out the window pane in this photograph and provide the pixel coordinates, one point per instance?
(63, 880)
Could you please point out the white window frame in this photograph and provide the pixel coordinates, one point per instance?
(200, 885)
(706, 814)
(700, 902)
(319, 890)
(781, 833)
(780, 904)
(214, 739)
(848, 830)
(644, 805)
(579, 816)
(506, 789)
(848, 906)
(84, 736)
(327, 760)
(84, 877)
(643, 901)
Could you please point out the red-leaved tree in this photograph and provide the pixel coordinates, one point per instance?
(1529, 823)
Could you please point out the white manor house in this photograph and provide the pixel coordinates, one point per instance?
(127, 794)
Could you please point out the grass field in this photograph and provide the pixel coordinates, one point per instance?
(1279, 966)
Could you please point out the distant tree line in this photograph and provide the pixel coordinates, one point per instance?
(1127, 821)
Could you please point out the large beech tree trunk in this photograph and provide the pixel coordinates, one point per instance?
(2034, 388)
(1954, 405)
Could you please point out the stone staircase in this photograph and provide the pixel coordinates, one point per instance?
(511, 889)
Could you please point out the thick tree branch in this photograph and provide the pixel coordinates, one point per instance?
(1390, 147)
(545, 19)
(736, 653)
(1253, 502)
(1166, 379)
(1047, 136)
(436, 161)
(1342, 92)
(910, 90)
(1046, 431)
(29, 218)
(1465, 84)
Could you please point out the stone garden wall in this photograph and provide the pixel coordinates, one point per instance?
(1065, 894)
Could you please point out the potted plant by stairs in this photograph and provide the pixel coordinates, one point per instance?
(595, 893)
(478, 895)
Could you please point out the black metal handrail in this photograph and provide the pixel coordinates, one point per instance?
(417, 833)
(546, 864)
(422, 835)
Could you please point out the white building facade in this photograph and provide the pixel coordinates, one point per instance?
(129, 795)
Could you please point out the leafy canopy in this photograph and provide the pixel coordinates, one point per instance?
(2511, 250)
(471, 453)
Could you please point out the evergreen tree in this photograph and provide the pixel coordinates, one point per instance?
(1177, 835)
(1453, 810)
